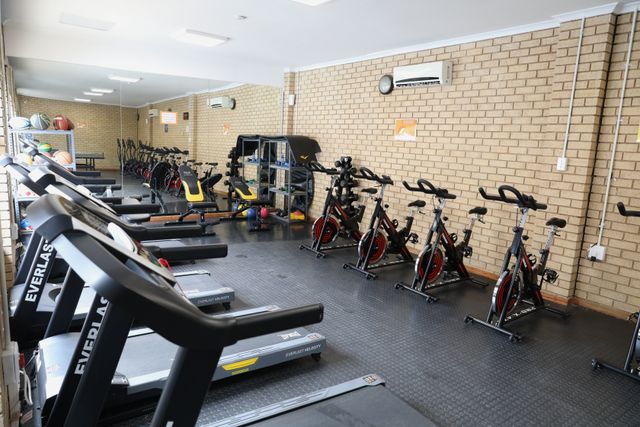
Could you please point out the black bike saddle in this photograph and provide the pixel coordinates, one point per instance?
(480, 210)
(370, 190)
(417, 204)
(558, 222)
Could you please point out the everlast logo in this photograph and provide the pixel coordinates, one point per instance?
(39, 272)
(91, 337)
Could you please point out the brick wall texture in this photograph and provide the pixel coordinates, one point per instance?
(501, 121)
(96, 126)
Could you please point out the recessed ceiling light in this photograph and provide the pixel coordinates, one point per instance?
(124, 79)
(312, 2)
(93, 89)
(81, 100)
(200, 38)
(92, 93)
(83, 22)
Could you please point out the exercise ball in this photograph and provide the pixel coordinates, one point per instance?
(18, 123)
(251, 213)
(63, 157)
(60, 122)
(40, 121)
(264, 213)
(44, 147)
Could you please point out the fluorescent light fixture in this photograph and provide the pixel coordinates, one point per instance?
(312, 2)
(200, 38)
(84, 22)
(92, 93)
(124, 79)
(81, 100)
(93, 89)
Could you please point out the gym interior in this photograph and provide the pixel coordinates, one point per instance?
(310, 213)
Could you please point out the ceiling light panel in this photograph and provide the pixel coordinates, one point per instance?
(84, 22)
(124, 79)
(92, 93)
(312, 2)
(81, 100)
(199, 38)
(93, 89)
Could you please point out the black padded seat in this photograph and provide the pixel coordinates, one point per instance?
(558, 222)
(369, 190)
(418, 204)
(480, 210)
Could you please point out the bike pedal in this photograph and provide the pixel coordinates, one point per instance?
(413, 238)
(634, 316)
(454, 237)
(467, 252)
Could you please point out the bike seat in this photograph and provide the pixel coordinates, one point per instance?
(480, 210)
(370, 190)
(417, 204)
(558, 222)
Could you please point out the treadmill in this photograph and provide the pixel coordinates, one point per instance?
(143, 360)
(32, 305)
(147, 296)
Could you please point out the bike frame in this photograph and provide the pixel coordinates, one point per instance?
(530, 286)
(380, 219)
(438, 235)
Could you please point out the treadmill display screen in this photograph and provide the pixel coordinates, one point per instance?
(102, 227)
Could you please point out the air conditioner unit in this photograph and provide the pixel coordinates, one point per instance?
(431, 73)
(154, 113)
(222, 102)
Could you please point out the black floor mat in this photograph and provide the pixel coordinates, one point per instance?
(456, 374)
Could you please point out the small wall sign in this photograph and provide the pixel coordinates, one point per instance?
(405, 130)
(168, 118)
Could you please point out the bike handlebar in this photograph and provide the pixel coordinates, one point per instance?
(366, 173)
(317, 167)
(442, 193)
(624, 212)
(519, 199)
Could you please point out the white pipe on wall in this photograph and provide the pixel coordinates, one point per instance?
(573, 90)
(617, 129)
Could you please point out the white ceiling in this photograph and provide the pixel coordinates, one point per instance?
(64, 81)
(278, 34)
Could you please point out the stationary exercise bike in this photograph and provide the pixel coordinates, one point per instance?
(339, 217)
(383, 236)
(631, 367)
(441, 254)
(518, 284)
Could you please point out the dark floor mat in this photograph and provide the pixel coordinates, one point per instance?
(456, 374)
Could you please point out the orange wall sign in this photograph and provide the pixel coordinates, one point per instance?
(405, 130)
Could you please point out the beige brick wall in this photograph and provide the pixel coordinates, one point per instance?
(616, 282)
(258, 111)
(502, 120)
(485, 129)
(96, 126)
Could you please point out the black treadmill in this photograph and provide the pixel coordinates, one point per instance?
(144, 358)
(34, 296)
(136, 288)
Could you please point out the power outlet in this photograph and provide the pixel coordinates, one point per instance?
(597, 253)
(562, 164)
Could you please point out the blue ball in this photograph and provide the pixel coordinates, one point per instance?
(251, 213)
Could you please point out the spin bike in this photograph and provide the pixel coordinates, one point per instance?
(338, 218)
(441, 254)
(633, 354)
(383, 236)
(513, 291)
